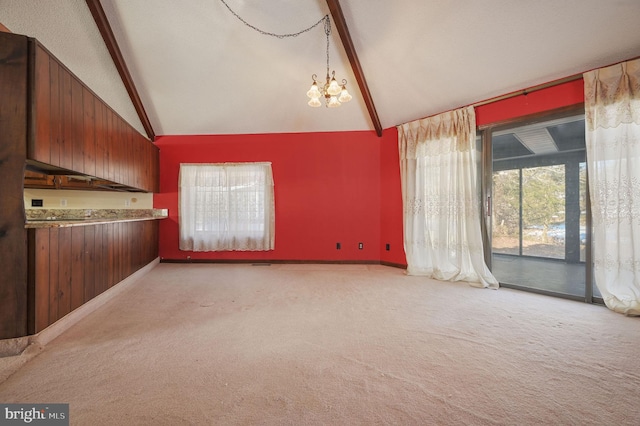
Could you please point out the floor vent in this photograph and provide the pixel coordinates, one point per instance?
(260, 264)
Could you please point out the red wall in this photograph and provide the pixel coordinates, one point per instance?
(327, 190)
(391, 231)
(548, 99)
(329, 187)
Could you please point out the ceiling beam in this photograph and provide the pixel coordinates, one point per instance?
(116, 55)
(347, 43)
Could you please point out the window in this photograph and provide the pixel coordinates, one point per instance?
(227, 206)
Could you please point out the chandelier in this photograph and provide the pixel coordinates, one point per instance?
(333, 93)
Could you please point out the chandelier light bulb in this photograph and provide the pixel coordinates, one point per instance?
(314, 102)
(314, 92)
(334, 88)
(333, 102)
(344, 95)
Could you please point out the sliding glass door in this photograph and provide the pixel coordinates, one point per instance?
(537, 206)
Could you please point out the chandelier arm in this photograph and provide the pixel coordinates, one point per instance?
(324, 18)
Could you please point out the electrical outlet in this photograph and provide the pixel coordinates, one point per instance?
(127, 203)
(36, 202)
(360, 246)
(338, 246)
(63, 202)
(388, 247)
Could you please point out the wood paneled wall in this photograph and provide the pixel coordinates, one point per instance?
(74, 129)
(72, 265)
(48, 115)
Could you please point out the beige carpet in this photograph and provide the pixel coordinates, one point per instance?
(335, 345)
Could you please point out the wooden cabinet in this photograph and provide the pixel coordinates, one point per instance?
(72, 265)
(48, 116)
(13, 136)
(72, 128)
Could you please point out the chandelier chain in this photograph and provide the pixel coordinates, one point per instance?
(324, 19)
(327, 31)
(329, 90)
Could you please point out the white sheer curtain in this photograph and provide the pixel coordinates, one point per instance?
(442, 237)
(612, 108)
(227, 206)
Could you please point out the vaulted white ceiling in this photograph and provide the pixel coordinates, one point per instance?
(199, 70)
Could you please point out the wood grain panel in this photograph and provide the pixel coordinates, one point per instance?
(77, 266)
(125, 250)
(31, 281)
(155, 178)
(55, 110)
(134, 167)
(117, 254)
(150, 242)
(138, 253)
(54, 275)
(109, 237)
(64, 271)
(144, 169)
(89, 131)
(130, 244)
(66, 115)
(125, 154)
(131, 158)
(89, 280)
(99, 137)
(110, 144)
(39, 147)
(77, 115)
(148, 245)
(141, 163)
(148, 166)
(126, 242)
(100, 270)
(117, 148)
(42, 250)
(105, 258)
(124, 164)
(114, 144)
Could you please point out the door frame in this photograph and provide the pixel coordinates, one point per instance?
(486, 194)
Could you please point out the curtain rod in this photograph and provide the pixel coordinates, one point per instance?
(512, 94)
(532, 89)
(529, 90)
(545, 85)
